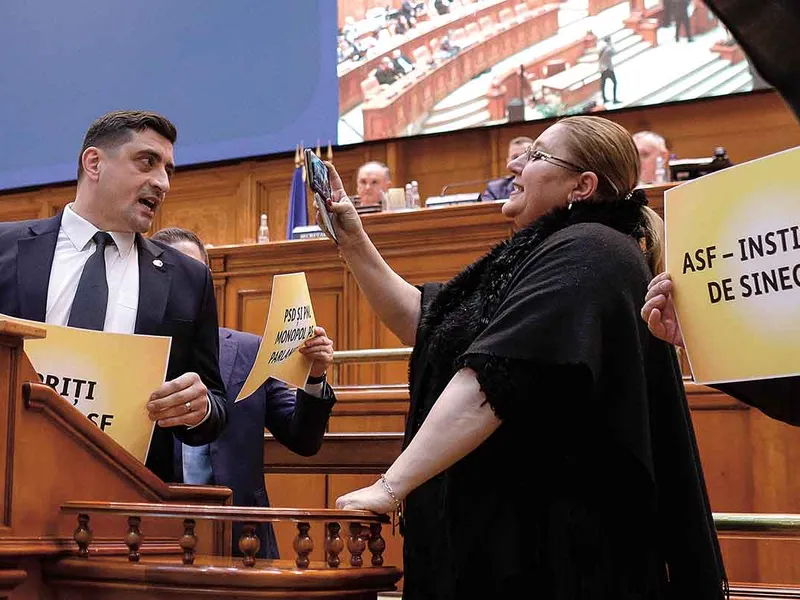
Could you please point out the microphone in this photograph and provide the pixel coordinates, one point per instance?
(466, 183)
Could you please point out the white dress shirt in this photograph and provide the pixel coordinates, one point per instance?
(73, 249)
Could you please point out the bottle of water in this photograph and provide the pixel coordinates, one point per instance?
(409, 196)
(263, 230)
(661, 172)
(414, 194)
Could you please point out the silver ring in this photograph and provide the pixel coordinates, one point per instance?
(188, 406)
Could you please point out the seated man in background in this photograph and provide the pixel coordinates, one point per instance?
(442, 6)
(500, 189)
(446, 49)
(372, 182)
(296, 419)
(651, 146)
(385, 72)
(401, 63)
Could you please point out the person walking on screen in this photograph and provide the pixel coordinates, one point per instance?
(606, 65)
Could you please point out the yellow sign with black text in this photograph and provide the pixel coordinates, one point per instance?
(107, 376)
(733, 250)
(290, 322)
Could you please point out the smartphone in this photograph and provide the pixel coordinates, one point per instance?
(320, 184)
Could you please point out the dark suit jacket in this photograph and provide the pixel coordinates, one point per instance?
(237, 457)
(175, 300)
(385, 76)
(498, 189)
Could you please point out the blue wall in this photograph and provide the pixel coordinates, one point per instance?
(238, 78)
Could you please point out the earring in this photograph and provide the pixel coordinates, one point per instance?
(570, 202)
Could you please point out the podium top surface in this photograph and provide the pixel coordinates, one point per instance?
(13, 327)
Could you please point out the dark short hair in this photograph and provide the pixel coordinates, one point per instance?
(115, 128)
(173, 235)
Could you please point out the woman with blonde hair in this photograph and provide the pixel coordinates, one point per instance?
(549, 450)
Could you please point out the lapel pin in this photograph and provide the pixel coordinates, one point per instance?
(158, 263)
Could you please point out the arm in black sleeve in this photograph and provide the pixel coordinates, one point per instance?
(205, 362)
(776, 398)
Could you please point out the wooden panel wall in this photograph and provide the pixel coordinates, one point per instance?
(222, 203)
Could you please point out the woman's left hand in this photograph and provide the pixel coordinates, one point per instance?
(319, 349)
(374, 498)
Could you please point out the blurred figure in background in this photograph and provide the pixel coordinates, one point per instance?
(652, 147)
(372, 182)
(500, 189)
(605, 63)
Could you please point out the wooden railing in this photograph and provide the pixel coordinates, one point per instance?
(746, 536)
(359, 522)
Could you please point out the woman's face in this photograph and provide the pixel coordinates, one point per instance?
(539, 185)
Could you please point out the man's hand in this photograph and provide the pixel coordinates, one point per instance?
(182, 401)
(659, 310)
(320, 350)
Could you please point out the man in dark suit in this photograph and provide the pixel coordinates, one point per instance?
(297, 420)
(385, 72)
(500, 189)
(90, 267)
(401, 63)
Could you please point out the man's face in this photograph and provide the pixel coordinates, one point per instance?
(132, 181)
(649, 151)
(515, 151)
(371, 184)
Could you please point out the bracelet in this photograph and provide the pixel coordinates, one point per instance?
(398, 505)
(315, 380)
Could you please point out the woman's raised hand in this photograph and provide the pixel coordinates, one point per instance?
(347, 224)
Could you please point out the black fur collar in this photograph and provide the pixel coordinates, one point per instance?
(466, 304)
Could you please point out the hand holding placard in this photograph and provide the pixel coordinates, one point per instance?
(290, 322)
(733, 250)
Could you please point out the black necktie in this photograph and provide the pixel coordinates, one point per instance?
(89, 306)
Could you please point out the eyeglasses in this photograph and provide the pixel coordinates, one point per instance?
(531, 154)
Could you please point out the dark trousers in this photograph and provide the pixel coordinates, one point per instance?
(681, 17)
(605, 76)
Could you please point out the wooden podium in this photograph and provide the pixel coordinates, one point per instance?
(137, 537)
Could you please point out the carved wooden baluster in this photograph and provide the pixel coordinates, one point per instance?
(133, 539)
(83, 536)
(188, 541)
(356, 545)
(333, 545)
(249, 544)
(303, 545)
(376, 544)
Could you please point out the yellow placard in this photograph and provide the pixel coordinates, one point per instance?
(733, 249)
(290, 322)
(107, 376)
